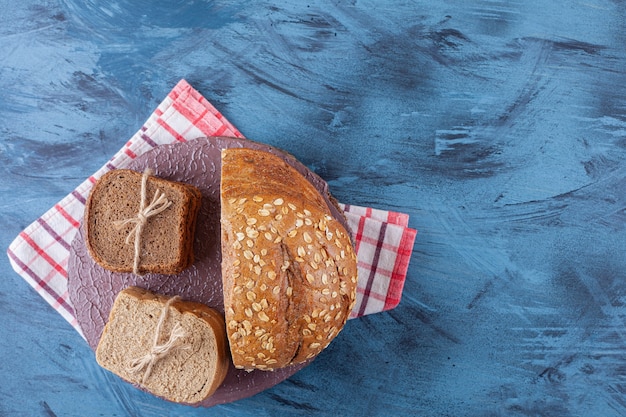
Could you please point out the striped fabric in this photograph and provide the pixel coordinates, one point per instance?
(40, 253)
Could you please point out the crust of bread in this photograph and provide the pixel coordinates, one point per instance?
(167, 238)
(187, 375)
(289, 269)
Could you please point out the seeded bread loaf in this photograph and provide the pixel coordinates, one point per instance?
(289, 270)
(191, 371)
(166, 241)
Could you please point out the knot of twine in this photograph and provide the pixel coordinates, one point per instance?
(158, 204)
(159, 351)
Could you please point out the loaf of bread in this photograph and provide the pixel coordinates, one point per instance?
(195, 364)
(289, 269)
(166, 240)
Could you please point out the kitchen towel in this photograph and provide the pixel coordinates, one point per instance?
(40, 253)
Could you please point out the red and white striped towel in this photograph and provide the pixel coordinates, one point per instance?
(40, 253)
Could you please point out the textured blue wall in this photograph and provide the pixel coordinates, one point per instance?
(500, 127)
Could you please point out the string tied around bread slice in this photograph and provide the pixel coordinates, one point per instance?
(157, 351)
(158, 204)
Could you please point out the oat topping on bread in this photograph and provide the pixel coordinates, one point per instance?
(288, 267)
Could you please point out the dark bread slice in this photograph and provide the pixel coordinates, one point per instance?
(166, 239)
(184, 375)
(289, 270)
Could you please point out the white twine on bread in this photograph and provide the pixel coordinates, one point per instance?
(159, 203)
(159, 351)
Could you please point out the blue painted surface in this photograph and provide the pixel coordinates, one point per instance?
(500, 127)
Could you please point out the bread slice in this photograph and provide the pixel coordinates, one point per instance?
(167, 237)
(190, 372)
(289, 270)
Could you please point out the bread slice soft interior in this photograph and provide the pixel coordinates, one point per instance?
(190, 372)
(166, 239)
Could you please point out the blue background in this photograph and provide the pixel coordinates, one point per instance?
(499, 126)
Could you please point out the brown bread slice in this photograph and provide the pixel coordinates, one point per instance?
(289, 270)
(166, 239)
(187, 374)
